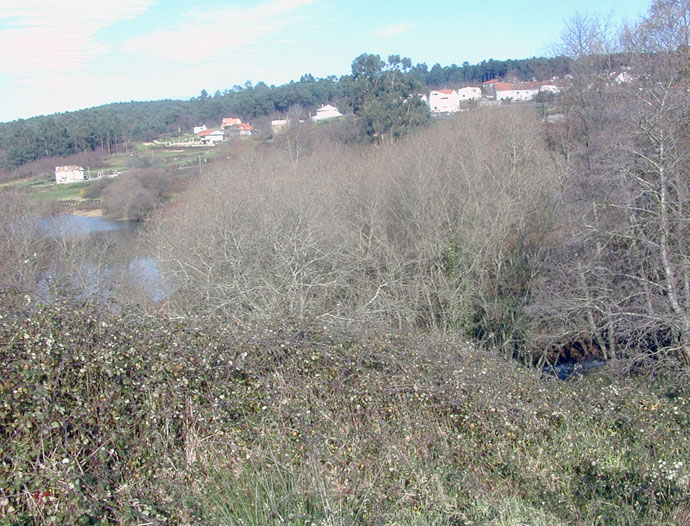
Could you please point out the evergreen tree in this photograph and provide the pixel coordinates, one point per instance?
(386, 96)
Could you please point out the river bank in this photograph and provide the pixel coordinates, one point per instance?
(95, 212)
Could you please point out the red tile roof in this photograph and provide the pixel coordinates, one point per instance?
(446, 91)
(230, 121)
(505, 86)
(206, 132)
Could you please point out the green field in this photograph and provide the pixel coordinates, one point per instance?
(145, 156)
(42, 189)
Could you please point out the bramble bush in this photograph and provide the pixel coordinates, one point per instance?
(121, 418)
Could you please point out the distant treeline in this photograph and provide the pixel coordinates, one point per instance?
(540, 68)
(110, 126)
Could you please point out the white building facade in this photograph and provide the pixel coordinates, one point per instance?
(69, 174)
(211, 136)
(279, 125)
(469, 93)
(230, 121)
(549, 86)
(444, 101)
(524, 91)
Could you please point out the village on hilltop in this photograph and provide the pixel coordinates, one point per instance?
(442, 101)
(447, 100)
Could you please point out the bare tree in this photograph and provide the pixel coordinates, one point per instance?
(135, 194)
(659, 146)
(625, 222)
(591, 42)
(441, 230)
(23, 246)
(586, 36)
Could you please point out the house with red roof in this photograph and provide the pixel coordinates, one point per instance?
(515, 91)
(230, 121)
(243, 128)
(211, 136)
(444, 101)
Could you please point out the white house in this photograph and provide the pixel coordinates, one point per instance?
(444, 101)
(326, 112)
(521, 91)
(69, 174)
(469, 93)
(211, 136)
(199, 129)
(244, 129)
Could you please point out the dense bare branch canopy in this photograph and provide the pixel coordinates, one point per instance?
(626, 244)
(431, 232)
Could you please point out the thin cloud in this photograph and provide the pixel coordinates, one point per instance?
(395, 29)
(217, 32)
(43, 36)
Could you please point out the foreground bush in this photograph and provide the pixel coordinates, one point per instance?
(115, 419)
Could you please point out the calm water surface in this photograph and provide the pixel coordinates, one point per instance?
(71, 225)
(112, 254)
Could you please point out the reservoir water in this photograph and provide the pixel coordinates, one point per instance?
(97, 255)
(73, 225)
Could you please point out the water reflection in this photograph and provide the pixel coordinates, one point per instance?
(148, 275)
(73, 225)
(97, 256)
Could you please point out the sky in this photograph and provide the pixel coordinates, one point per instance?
(63, 55)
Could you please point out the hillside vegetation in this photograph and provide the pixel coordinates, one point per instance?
(422, 233)
(110, 128)
(320, 361)
(355, 332)
(128, 419)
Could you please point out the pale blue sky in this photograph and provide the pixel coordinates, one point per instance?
(60, 55)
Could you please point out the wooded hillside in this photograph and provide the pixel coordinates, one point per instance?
(110, 126)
